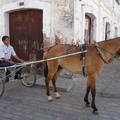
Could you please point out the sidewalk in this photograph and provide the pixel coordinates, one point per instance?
(23, 103)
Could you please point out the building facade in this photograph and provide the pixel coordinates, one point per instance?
(28, 23)
(96, 20)
(33, 24)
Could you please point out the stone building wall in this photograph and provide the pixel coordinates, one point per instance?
(7, 6)
(103, 11)
(64, 16)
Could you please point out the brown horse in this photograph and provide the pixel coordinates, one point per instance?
(95, 57)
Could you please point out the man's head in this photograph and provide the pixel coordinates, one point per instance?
(6, 40)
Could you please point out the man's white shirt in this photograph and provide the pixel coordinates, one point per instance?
(7, 51)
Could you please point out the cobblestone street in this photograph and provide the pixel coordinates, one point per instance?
(23, 103)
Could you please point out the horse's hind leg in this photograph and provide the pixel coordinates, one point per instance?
(47, 81)
(48, 77)
(54, 84)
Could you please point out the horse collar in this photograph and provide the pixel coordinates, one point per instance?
(103, 57)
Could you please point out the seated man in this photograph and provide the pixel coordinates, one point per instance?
(6, 54)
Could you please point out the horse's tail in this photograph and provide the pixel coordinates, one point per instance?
(45, 69)
(59, 68)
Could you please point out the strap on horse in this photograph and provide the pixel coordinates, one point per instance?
(82, 58)
(102, 55)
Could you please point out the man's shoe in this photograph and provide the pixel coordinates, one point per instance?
(6, 79)
(18, 77)
(8, 73)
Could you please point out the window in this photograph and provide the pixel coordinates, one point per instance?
(116, 32)
(87, 29)
(107, 31)
(118, 1)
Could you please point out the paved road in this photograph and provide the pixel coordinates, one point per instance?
(22, 103)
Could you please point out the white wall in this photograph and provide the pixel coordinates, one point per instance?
(6, 8)
(63, 17)
(103, 12)
(66, 18)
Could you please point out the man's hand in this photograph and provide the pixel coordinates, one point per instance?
(17, 58)
(22, 61)
(11, 62)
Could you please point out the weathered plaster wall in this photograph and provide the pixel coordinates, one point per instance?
(63, 17)
(7, 1)
(6, 6)
(66, 18)
(103, 13)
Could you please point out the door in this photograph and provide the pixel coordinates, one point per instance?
(26, 33)
(87, 34)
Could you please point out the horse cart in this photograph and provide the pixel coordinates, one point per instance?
(28, 75)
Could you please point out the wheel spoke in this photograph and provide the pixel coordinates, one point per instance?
(29, 76)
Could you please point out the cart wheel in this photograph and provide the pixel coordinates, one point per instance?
(2, 87)
(29, 76)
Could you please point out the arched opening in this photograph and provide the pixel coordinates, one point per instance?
(89, 31)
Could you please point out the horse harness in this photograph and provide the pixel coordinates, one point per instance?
(101, 54)
(82, 48)
(83, 59)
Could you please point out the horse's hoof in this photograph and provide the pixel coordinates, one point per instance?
(95, 111)
(50, 99)
(57, 95)
(87, 104)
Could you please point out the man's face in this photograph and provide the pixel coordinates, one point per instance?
(7, 41)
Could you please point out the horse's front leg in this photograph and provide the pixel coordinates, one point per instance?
(87, 92)
(93, 91)
(86, 96)
(57, 95)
